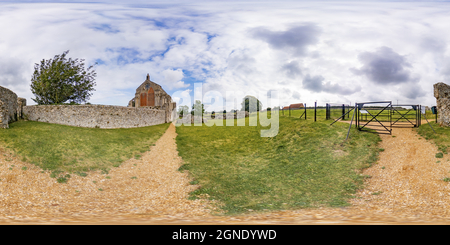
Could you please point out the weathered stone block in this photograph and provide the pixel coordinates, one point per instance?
(10, 109)
(442, 95)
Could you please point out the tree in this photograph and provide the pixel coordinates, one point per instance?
(249, 103)
(58, 80)
(183, 109)
(198, 108)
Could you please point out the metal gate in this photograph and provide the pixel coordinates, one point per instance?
(374, 117)
(380, 117)
(406, 116)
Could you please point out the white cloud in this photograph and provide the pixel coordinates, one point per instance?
(182, 97)
(172, 79)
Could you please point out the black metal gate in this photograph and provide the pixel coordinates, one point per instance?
(406, 116)
(374, 117)
(380, 117)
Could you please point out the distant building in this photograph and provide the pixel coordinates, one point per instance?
(151, 95)
(294, 106)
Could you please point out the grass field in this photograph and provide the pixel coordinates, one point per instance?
(441, 138)
(306, 165)
(61, 148)
(320, 113)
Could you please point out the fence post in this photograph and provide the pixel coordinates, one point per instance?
(315, 110)
(418, 114)
(305, 111)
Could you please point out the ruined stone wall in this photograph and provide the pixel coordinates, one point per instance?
(21, 102)
(8, 107)
(442, 95)
(188, 118)
(3, 115)
(174, 115)
(239, 114)
(92, 116)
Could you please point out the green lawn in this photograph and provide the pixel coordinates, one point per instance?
(306, 165)
(441, 138)
(61, 148)
(320, 113)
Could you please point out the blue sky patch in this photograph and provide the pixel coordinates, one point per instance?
(126, 55)
(104, 28)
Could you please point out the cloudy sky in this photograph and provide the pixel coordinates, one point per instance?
(339, 52)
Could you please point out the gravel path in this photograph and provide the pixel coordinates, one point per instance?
(405, 187)
(149, 187)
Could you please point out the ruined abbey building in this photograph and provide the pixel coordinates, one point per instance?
(151, 95)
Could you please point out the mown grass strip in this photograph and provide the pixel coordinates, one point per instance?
(61, 148)
(306, 165)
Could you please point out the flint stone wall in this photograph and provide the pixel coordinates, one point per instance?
(95, 116)
(196, 119)
(442, 95)
(10, 107)
(239, 114)
(189, 119)
(3, 115)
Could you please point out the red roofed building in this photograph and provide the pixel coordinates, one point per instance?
(294, 106)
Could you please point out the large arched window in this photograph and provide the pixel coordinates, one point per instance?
(143, 99)
(151, 97)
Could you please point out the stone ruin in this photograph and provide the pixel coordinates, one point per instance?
(189, 119)
(151, 95)
(11, 107)
(442, 95)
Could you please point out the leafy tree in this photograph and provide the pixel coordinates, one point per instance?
(183, 109)
(62, 79)
(249, 103)
(198, 108)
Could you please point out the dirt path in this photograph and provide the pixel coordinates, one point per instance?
(405, 187)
